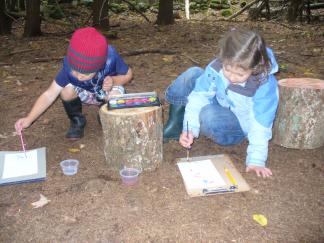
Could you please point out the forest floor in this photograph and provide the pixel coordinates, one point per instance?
(94, 206)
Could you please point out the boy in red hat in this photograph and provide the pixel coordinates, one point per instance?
(92, 72)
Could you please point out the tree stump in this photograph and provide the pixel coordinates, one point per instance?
(133, 137)
(300, 116)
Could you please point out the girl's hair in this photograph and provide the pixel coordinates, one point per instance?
(245, 48)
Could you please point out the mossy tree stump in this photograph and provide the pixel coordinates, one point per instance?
(133, 137)
(300, 116)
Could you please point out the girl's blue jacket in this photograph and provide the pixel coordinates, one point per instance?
(255, 112)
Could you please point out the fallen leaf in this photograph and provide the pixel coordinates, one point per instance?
(74, 150)
(283, 67)
(261, 219)
(41, 202)
(167, 59)
(69, 219)
(3, 135)
(82, 146)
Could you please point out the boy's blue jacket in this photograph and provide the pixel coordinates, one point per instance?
(255, 113)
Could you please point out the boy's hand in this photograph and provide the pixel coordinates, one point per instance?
(21, 124)
(186, 139)
(107, 83)
(260, 171)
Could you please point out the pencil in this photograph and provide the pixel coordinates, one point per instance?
(230, 177)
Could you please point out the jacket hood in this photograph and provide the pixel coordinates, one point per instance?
(274, 64)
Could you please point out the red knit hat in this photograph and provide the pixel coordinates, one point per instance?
(87, 52)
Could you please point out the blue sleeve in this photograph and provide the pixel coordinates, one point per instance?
(202, 95)
(265, 103)
(121, 68)
(62, 78)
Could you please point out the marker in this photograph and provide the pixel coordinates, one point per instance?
(22, 143)
(218, 190)
(230, 177)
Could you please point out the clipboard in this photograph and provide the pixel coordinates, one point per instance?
(16, 171)
(211, 175)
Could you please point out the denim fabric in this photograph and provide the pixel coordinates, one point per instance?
(216, 122)
(220, 124)
(180, 88)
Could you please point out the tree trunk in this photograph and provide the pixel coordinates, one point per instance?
(299, 123)
(13, 5)
(165, 15)
(294, 9)
(33, 19)
(22, 5)
(5, 21)
(100, 14)
(133, 137)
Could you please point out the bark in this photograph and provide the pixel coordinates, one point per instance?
(294, 9)
(33, 18)
(299, 123)
(133, 137)
(165, 15)
(22, 5)
(5, 20)
(100, 14)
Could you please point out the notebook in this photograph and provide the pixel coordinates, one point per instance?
(21, 167)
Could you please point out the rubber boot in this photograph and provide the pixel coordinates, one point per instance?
(173, 128)
(73, 109)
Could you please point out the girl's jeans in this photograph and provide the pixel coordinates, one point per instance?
(216, 122)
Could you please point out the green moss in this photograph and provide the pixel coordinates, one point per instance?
(226, 12)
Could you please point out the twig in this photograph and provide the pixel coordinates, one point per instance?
(19, 51)
(36, 60)
(191, 59)
(5, 64)
(310, 55)
(144, 51)
(287, 26)
(242, 10)
(9, 15)
(144, 16)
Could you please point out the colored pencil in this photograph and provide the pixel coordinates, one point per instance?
(188, 150)
(230, 177)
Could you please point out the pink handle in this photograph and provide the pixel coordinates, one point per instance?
(22, 141)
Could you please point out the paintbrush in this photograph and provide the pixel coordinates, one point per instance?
(22, 143)
(188, 149)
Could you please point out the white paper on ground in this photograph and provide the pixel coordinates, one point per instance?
(16, 164)
(201, 174)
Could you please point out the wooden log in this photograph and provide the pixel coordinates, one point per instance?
(300, 116)
(133, 137)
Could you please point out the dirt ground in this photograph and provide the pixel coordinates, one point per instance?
(94, 206)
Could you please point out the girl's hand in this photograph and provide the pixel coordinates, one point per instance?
(21, 124)
(260, 171)
(186, 139)
(107, 83)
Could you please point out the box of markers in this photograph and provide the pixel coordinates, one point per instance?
(133, 100)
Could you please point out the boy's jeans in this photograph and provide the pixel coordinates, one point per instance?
(216, 122)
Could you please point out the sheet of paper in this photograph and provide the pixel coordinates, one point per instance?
(16, 164)
(201, 174)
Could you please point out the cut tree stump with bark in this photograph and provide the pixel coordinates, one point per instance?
(133, 137)
(300, 116)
